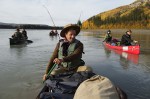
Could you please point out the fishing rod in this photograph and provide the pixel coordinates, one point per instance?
(51, 19)
(49, 14)
(80, 15)
(79, 22)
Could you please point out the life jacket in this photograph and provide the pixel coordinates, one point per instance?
(70, 49)
(109, 37)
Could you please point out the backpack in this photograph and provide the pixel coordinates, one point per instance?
(99, 87)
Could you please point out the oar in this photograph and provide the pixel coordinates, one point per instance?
(45, 87)
(50, 72)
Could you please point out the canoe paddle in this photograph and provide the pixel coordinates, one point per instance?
(45, 87)
(50, 72)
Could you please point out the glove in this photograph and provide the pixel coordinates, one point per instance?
(135, 41)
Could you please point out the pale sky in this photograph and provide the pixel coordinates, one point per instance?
(62, 11)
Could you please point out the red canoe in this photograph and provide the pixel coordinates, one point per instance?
(129, 49)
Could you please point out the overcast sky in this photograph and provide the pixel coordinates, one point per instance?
(62, 11)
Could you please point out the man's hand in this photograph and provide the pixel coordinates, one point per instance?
(135, 41)
(44, 77)
(58, 61)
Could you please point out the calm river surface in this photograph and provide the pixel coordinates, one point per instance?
(22, 67)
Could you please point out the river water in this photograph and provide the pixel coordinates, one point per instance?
(22, 67)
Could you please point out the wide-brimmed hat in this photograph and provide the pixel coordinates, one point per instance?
(68, 27)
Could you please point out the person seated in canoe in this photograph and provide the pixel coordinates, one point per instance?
(68, 52)
(52, 33)
(24, 34)
(56, 32)
(108, 37)
(126, 39)
(17, 35)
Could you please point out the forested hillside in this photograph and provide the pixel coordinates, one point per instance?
(135, 15)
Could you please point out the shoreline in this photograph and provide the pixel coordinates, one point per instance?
(117, 30)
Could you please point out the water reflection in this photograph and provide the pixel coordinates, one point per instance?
(18, 46)
(124, 57)
(107, 52)
(18, 50)
(131, 57)
(124, 62)
(54, 37)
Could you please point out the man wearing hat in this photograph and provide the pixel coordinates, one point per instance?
(68, 52)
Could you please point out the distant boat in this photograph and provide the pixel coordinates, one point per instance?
(19, 42)
(133, 49)
(52, 33)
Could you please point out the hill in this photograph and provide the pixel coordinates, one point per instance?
(135, 15)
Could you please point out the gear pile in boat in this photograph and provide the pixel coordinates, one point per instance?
(80, 85)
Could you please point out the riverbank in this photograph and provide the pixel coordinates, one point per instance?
(116, 30)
